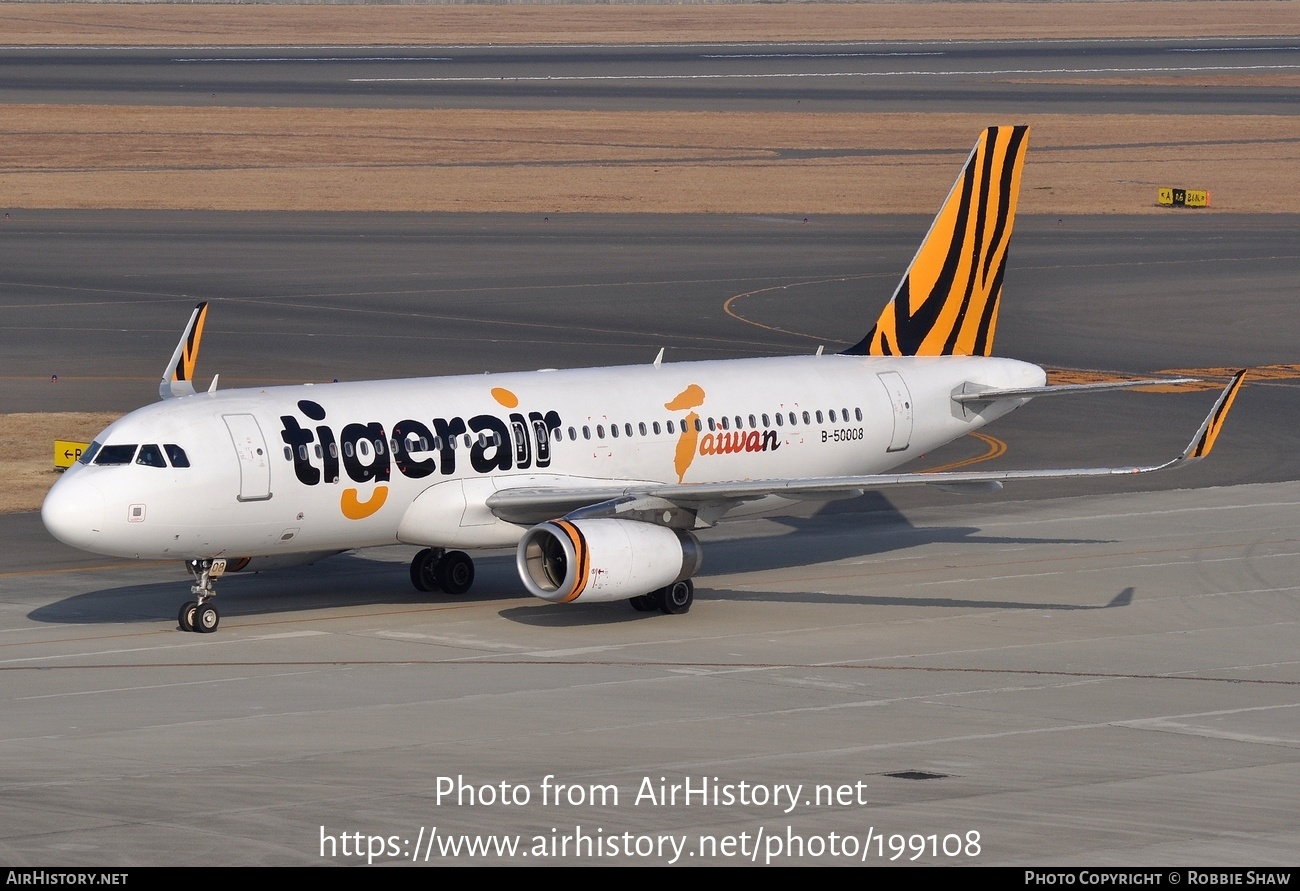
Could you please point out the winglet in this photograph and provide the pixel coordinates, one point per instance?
(947, 302)
(178, 376)
(1203, 441)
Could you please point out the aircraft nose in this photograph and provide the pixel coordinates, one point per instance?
(73, 512)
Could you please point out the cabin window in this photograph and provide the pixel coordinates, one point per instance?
(779, 419)
(753, 422)
(600, 431)
(806, 418)
(670, 427)
(573, 435)
(857, 413)
(725, 425)
(176, 455)
(150, 456)
(316, 448)
(347, 449)
(613, 430)
(655, 426)
(334, 450)
(302, 452)
(766, 422)
(115, 454)
(627, 428)
(832, 416)
(699, 425)
(586, 432)
(794, 419)
(740, 423)
(288, 453)
(819, 416)
(712, 424)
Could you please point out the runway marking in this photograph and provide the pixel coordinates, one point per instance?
(672, 665)
(996, 448)
(317, 59)
(996, 72)
(858, 55)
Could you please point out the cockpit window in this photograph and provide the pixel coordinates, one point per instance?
(176, 455)
(115, 454)
(150, 456)
(89, 454)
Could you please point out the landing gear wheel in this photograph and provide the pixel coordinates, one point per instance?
(206, 618)
(424, 569)
(677, 597)
(455, 572)
(646, 603)
(186, 615)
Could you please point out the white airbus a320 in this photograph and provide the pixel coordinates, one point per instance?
(597, 476)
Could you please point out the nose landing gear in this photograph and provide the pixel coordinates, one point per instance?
(200, 615)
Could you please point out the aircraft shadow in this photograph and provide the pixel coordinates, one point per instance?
(873, 526)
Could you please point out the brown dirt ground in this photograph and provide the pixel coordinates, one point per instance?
(198, 25)
(598, 161)
(26, 442)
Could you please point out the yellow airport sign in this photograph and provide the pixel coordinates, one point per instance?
(1183, 197)
(67, 452)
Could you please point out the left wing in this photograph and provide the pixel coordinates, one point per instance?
(702, 504)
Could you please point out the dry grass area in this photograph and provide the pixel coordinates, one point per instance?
(595, 161)
(228, 25)
(26, 444)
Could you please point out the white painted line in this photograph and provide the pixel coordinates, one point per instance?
(1000, 72)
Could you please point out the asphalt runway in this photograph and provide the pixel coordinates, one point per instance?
(1202, 76)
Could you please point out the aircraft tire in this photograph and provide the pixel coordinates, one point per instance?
(677, 597)
(206, 619)
(424, 570)
(186, 616)
(455, 573)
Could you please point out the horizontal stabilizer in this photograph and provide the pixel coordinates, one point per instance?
(993, 394)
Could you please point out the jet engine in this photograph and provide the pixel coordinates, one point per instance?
(567, 561)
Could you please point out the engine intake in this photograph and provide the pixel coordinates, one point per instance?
(567, 561)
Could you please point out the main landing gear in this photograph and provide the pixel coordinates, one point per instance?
(674, 599)
(201, 615)
(434, 569)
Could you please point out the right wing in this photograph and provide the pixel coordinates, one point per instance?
(702, 504)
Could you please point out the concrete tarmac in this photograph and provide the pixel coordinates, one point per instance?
(1096, 681)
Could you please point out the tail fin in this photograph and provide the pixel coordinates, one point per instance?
(947, 302)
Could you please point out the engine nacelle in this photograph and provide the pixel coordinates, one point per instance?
(567, 561)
